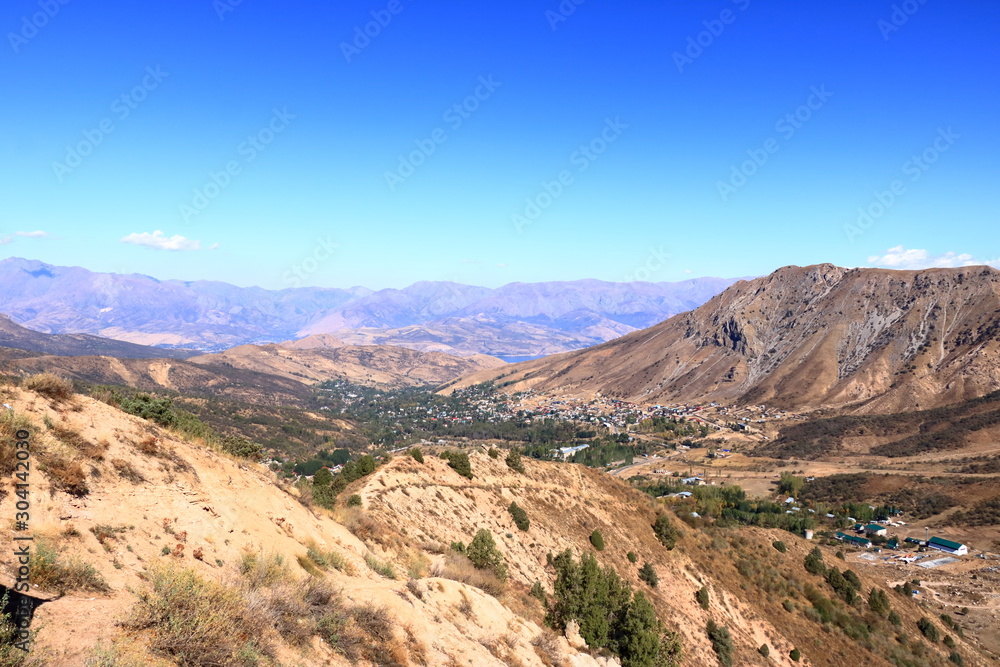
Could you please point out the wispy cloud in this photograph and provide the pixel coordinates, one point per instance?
(915, 258)
(159, 241)
(9, 238)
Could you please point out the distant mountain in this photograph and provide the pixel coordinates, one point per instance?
(516, 320)
(18, 337)
(803, 337)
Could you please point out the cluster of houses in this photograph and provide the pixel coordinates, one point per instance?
(874, 529)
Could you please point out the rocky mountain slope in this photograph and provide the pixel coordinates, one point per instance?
(15, 336)
(803, 337)
(147, 537)
(517, 320)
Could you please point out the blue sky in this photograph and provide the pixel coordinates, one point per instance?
(274, 143)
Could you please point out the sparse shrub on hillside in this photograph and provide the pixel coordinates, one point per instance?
(841, 586)
(895, 619)
(538, 593)
(260, 570)
(928, 629)
(520, 516)
(852, 579)
(513, 461)
(383, 568)
(241, 447)
(665, 531)
(458, 547)
(780, 546)
(10, 424)
(49, 385)
(354, 500)
(701, 597)
(417, 455)
(878, 601)
(795, 655)
(632, 557)
(50, 573)
(459, 462)
(648, 574)
(722, 642)
(126, 471)
(483, 553)
(65, 475)
(493, 453)
(956, 658)
(597, 540)
(814, 562)
(458, 567)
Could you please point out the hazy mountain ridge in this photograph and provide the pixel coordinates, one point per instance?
(817, 336)
(541, 318)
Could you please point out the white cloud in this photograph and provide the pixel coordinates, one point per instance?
(4, 240)
(158, 241)
(913, 258)
(39, 234)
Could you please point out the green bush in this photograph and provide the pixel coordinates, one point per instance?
(157, 410)
(538, 592)
(814, 562)
(241, 447)
(458, 547)
(665, 531)
(956, 658)
(597, 540)
(459, 462)
(354, 500)
(701, 596)
(632, 557)
(929, 630)
(780, 546)
(722, 642)
(483, 553)
(895, 619)
(513, 461)
(493, 453)
(795, 655)
(520, 516)
(417, 455)
(764, 650)
(878, 601)
(648, 574)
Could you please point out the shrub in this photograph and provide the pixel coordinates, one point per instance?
(513, 461)
(648, 574)
(196, 622)
(780, 546)
(457, 567)
(459, 462)
(956, 658)
(417, 455)
(458, 547)
(597, 540)
(49, 572)
(949, 642)
(67, 476)
(632, 557)
(493, 453)
(484, 555)
(795, 655)
(241, 447)
(878, 601)
(384, 569)
(665, 531)
(354, 500)
(158, 410)
(814, 562)
(701, 596)
(929, 630)
(764, 650)
(520, 516)
(539, 593)
(722, 642)
(895, 619)
(49, 385)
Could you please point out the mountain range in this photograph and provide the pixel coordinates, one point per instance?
(514, 321)
(819, 336)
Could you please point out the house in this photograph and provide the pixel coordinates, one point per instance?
(875, 529)
(856, 541)
(893, 543)
(694, 481)
(948, 546)
(567, 452)
(913, 540)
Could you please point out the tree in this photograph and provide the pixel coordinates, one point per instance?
(878, 601)
(520, 516)
(483, 553)
(417, 455)
(323, 477)
(597, 540)
(459, 462)
(929, 630)
(789, 484)
(513, 461)
(665, 531)
(648, 574)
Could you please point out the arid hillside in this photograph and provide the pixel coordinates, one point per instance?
(809, 337)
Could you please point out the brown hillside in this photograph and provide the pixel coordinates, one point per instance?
(800, 338)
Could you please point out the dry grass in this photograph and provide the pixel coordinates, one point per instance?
(459, 568)
(10, 424)
(383, 568)
(51, 573)
(49, 385)
(127, 472)
(65, 474)
(91, 450)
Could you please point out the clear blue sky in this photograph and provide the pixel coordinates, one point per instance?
(182, 86)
